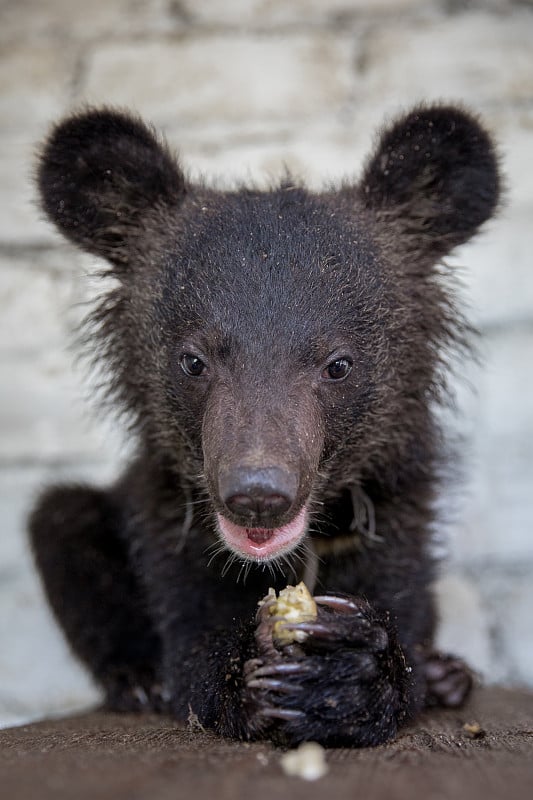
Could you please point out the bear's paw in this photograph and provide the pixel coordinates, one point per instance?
(342, 682)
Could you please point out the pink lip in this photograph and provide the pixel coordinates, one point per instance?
(262, 544)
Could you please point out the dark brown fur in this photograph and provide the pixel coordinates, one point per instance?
(267, 289)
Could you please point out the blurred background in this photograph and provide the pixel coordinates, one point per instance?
(242, 88)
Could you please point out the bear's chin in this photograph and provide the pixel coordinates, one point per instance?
(263, 544)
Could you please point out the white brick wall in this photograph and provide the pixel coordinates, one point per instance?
(243, 87)
(203, 77)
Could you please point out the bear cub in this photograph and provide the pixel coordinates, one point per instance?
(280, 355)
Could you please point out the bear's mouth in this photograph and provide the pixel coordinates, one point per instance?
(263, 544)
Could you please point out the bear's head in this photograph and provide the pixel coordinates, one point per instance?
(275, 347)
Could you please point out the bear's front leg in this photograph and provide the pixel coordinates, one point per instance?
(346, 684)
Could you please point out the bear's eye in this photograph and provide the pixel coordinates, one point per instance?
(192, 366)
(338, 369)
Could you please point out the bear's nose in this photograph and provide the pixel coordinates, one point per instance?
(258, 494)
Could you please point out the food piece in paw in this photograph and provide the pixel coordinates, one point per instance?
(293, 605)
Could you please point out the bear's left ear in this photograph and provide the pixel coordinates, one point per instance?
(100, 173)
(434, 178)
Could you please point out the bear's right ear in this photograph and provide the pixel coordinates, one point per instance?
(99, 173)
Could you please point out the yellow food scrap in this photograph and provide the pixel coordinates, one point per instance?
(293, 604)
(474, 730)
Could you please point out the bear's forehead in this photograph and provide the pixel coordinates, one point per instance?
(274, 270)
(285, 221)
(286, 241)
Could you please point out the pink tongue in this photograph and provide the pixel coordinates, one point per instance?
(259, 535)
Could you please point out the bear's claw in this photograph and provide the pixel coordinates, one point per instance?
(287, 714)
(337, 602)
(449, 680)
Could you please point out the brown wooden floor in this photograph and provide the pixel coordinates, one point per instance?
(128, 757)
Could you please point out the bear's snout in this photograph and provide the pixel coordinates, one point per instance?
(260, 464)
(256, 504)
(258, 496)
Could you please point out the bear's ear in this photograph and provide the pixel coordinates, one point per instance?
(99, 173)
(434, 178)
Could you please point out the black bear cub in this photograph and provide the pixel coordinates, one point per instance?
(280, 355)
